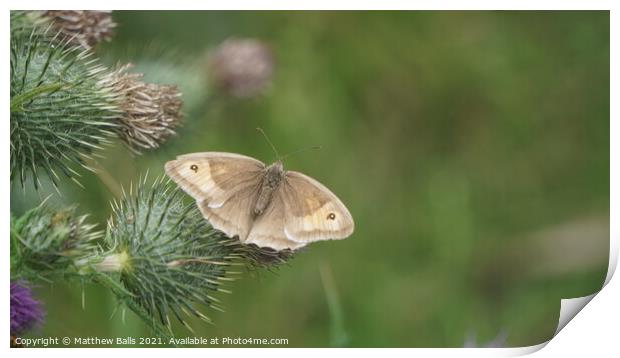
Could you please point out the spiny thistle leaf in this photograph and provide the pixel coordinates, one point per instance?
(169, 257)
(60, 112)
(46, 241)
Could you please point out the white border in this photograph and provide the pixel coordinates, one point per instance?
(593, 330)
(319, 5)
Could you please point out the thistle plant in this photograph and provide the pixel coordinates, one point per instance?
(65, 105)
(26, 311)
(84, 27)
(150, 112)
(47, 242)
(165, 254)
(59, 112)
(169, 257)
(157, 254)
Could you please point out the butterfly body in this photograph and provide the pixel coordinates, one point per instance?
(264, 205)
(274, 174)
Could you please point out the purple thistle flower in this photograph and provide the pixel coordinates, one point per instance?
(26, 312)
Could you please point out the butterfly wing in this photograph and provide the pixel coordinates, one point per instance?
(234, 217)
(268, 229)
(312, 212)
(224, 185)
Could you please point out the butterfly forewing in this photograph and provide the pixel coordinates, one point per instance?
(223, 184)
(214, 177)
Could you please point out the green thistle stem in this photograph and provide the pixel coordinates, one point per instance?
(125, 297)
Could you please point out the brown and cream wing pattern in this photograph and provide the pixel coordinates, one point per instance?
(312, 212)
(268, 228)
(234, 217)
(223, 184)
(214, 177)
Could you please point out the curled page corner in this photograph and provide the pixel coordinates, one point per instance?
(614, 248)
(570, 307)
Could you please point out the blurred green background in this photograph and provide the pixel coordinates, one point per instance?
(472, 149)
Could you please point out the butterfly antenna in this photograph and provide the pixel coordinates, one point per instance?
(268, 141)
(300, 150)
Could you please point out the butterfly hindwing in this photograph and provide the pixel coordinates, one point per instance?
(313, 212)
(234, 216)
(268, 228)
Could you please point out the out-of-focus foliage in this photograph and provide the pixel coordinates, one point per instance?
(463, 143)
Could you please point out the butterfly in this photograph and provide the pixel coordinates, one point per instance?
(262, 205)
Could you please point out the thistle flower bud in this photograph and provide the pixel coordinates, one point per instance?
(60, 113)
(46, 241)
(150, 112)
(85, 28)
(26, 311)
(173, 259)
(242, 67)
(169, 257)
